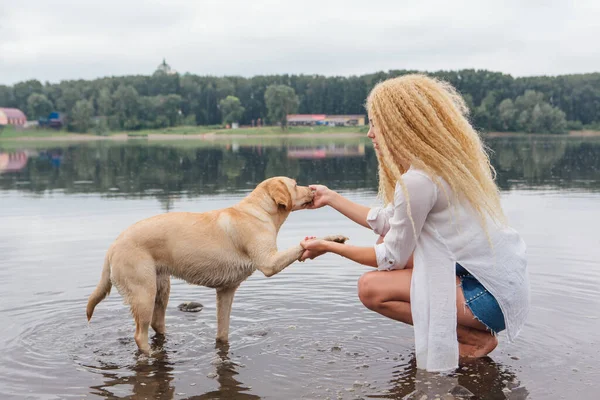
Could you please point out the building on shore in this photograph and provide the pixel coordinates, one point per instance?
(305, 119)
(164, 68)
(12, 116)
(324, 119)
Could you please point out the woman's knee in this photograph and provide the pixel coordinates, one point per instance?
(367, 290)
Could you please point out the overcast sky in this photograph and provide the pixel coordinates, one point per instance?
(57, 40)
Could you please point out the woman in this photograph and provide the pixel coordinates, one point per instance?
(451, 266)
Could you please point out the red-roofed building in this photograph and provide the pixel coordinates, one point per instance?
(305, 119)
(323, 119)
(12, 116)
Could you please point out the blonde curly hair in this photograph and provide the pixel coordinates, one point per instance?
(422, 121)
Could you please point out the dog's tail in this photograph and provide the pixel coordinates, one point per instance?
(102, 290)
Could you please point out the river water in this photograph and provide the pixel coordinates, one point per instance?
(302, 334)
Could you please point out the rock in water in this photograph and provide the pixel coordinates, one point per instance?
(190, 306)
(461, 392)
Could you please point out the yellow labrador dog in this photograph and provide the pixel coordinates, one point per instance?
(218, 249)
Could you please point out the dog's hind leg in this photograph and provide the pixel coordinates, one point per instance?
(134, 275)
(224, 302)
(163, 288)
(142, 308)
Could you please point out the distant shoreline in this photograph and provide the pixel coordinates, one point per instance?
(217, 135)
(212, 136)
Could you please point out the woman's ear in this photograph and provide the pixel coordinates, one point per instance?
(282, 196)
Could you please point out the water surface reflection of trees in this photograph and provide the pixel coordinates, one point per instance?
(135, 169)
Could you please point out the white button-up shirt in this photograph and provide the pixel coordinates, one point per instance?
(443, 235)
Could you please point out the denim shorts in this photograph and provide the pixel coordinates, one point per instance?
(481, 302)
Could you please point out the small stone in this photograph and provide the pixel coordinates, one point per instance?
(506, 390)
(357, 384)
(192, 384)
(515, 358)
(461, 392)
(259, 332)
(336, 348)
(211, 375)
(575, 370)
(190, 306)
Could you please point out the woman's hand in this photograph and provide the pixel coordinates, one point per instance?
(313, 248)
(322, 196)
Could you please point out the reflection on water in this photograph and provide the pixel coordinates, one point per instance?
(479, 378)
(303, 333)
(152, 378)
(166, 172)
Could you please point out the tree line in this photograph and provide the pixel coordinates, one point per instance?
(498, 102)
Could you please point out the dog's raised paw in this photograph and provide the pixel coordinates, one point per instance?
(336, 238)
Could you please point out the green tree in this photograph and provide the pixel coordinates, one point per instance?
(281, 100)
(38, 106)
(104, 102)
(7, 97)
(507, 115)
(22, 91)
(537, 116)
(126, 101)
(486, 115)
(169, 107)
(231, 109)
(80, 119)
(70, 96)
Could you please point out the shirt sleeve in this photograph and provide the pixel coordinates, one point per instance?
(400, 240)
(378, 219)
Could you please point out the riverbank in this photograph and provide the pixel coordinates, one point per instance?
(184, 133)
(210, 134)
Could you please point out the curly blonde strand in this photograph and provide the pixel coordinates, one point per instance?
(423, 122)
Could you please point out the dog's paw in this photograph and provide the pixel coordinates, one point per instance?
(336, 238)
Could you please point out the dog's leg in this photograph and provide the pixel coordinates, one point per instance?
(163, 288)
(134, 275)
(142, 308)
(279, 260)
(224, 302)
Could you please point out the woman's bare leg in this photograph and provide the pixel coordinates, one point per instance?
(388, 293)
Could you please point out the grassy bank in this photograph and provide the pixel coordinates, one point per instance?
(211, 133)
(10, 133)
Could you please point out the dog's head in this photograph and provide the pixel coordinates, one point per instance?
(286, 193)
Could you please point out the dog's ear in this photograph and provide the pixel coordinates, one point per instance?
(280, 193)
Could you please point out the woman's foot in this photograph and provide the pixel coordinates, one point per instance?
(473, 343)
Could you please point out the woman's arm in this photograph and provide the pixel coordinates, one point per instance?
(323, 196)
(361, 255)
